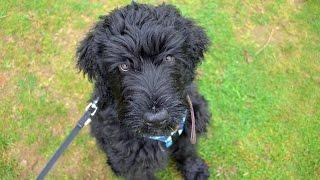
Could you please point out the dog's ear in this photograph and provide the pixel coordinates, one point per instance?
(87, 57)
(196, 41)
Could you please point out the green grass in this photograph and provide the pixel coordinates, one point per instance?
(261, 77)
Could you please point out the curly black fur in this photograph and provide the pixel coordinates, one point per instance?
(142, 37)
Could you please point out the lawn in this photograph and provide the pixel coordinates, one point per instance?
(261, 77)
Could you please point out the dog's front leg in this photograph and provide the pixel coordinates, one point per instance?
(131, 167)
(188, 162)
(147, 175)
(136, 159)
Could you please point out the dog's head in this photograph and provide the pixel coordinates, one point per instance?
(145, 56)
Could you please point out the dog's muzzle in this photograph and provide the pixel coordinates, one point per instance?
(157, 117)
(168, 140)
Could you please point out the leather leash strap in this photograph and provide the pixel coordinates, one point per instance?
(193, 136)
(84, 120)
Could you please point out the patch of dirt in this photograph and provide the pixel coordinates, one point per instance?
(298, 3)
(7, 39)
(58, 130)
(317, 172)
(82, 162)
(70, 162)
(317, 79)
(226, 172)
(8, 88)
(98, 161)
(28, 158)
(261, 34)
(68, 36)
(3, 80)
(278, 34)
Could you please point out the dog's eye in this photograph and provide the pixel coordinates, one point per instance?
(169, 59)
(124, 67)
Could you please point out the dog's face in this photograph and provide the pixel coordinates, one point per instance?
(145, 57)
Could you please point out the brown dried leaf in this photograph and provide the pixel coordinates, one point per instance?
(3, 80)
(247, 57)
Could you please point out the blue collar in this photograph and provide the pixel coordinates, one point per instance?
(167, 140)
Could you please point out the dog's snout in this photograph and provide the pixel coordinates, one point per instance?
(156, 117)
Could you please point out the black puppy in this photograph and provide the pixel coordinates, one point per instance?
(142, 60)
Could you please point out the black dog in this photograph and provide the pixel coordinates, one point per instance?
(142, 60)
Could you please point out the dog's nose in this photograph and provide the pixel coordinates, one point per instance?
(156, 117)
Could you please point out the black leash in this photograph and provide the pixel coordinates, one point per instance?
(91, 109)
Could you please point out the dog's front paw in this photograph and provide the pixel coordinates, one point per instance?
(195, 169)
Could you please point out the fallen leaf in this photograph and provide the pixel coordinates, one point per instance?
(2, 80)
(247, 57)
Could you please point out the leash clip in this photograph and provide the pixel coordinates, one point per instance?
(93, 105)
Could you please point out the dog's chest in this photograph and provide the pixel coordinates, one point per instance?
(124, 148)
(141, 151)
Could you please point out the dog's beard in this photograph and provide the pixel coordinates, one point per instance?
(132, 118)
